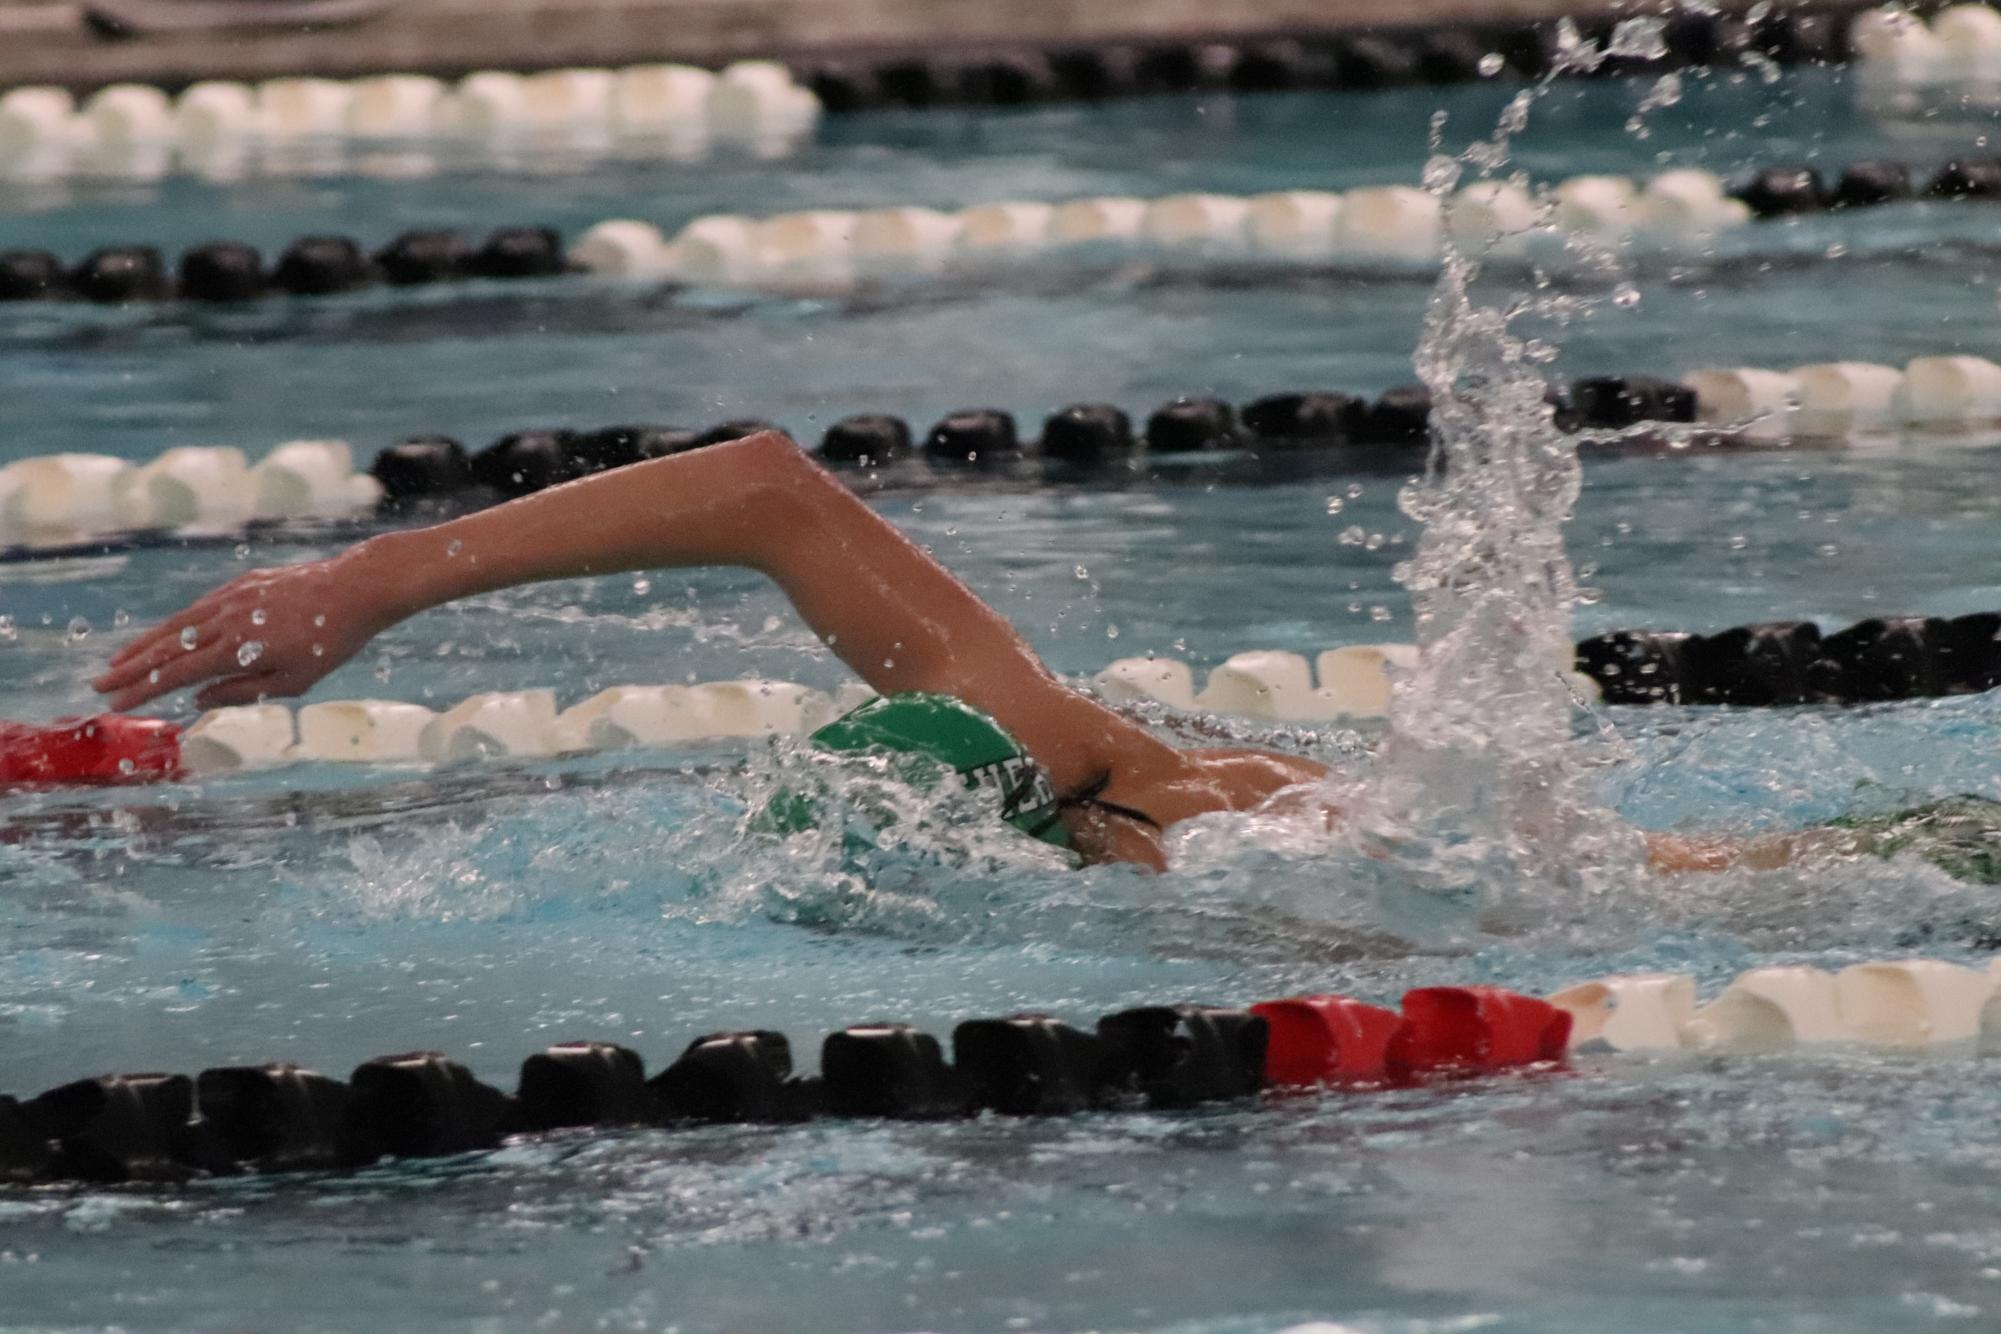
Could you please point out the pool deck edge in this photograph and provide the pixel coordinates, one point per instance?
(45, 42)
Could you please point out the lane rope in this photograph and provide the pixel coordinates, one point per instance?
(214, 127)
(828, 252)
(279, 1117)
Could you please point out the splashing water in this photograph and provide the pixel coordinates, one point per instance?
(1478, 782)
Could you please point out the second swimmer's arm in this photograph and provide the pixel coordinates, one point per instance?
(890, 611)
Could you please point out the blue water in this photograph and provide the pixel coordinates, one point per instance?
(330, 916)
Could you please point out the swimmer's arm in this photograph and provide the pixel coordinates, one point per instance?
(1703, 852)
(890, 611)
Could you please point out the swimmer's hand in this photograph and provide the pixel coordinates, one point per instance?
(264, 633)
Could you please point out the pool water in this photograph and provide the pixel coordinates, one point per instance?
(330, 915)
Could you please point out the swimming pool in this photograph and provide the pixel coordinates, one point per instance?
(329, 916)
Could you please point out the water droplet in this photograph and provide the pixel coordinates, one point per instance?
(1334, 504)
(641, 587)
(1491, 64)
(454, 547)
(1626, 296)
(1353, 535)
(1354, 490)
(153, 677)
(1836, 249)
(1083, 573)
(243, 551)
(320, 619)
(1638, 39)
(126, 766)
(1111, 632)
(189, 637)
(7, 630)
(259, 616)
(250, 651)
(79, 629)
(1738, 541)
(319, 650)
(120, 619)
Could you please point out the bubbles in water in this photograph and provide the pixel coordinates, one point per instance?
(641, 587)
(259, 616)
(189, 637)
(1082, 573)
(1334, 504)
(320, 619)
(120, 619)
(249, 651)
(454, 547)
(242, 551)
(79, 630)
(1491, 64)
(1625, 296)
(8, 631)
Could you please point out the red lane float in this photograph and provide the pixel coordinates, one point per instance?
(1326, 1040)
(1474, 1029)
(110, 748)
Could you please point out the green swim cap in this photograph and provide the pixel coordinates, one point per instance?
(960, 737)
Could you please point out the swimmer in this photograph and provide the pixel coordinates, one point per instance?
(903, 622)
(884, 606)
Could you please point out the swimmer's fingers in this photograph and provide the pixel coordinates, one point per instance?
(174, 643)
(184, 668)
(195, 614)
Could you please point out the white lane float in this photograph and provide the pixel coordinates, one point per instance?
(816, 246)
(722, 250)
(623, 248)
(1205, 223)
(127, 113)
(1108, 220)
(1757, 404)
(514, 724)
(1600, 206)
(1497, 213)
(62, 493)
(194, 485)
(1767, 1009)
(1843, 397)
(567, 99)
(757, 99)
(1163, 680)
(362, 731)
(904, 241)
(251, 736)
(1913, 1002)
(303, 108)
(1939, 390)
(311, 479)
(1634, 1012)
(990, 233)
(1688, 202)
(660, 99)
(394, 106)
(34, 120)
(214, 112)
(1294, 224)
(1398, 222)
(1896, 49)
